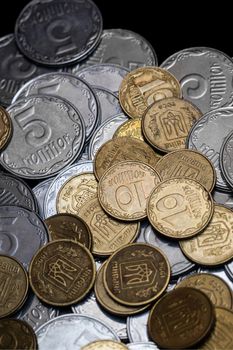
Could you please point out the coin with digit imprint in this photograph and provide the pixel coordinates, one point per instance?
(131, 128)
(105, 345)
(5, 128)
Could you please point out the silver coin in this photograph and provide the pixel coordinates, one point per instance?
(108, 104)
(22, 233)
(137, 327)
(141, 236)
(207, 136)
(106, 76)
(105, 132)
(56, 33)
(51, 195)
(226, 158)
(71, 332)
(40, 192)
(225, 198)
(205, 75)
(229, 271)
(69, 87)
(142, 346)
(220, 272)
(41, 146)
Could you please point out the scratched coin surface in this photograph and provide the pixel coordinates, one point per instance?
(14, 286)
(5, 128)
(131, 128)
(124, 189)
(136, 274)
(143, 86)
(122, 149)
(214, 245)
(62, 272)
(180, 208)
(105, 345)
(166, 123)
(226, 159)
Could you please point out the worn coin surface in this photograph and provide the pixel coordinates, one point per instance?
(39, 192)
(143, 86)
(131, 128)
(108, 103)
(105, 345)
(5, 128)
(180, 208)
(226, 155)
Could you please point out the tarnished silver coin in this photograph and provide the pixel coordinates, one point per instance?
(41, 146)
(226, 158)
(142, 346)
(225, 198)
(56, 33)
(205, 75)
(137, 327)
(108, 104)
(229, 271)
(39, 193)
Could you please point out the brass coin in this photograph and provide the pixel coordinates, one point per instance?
(68, 226)
(17, 335)
(213, 286)
(108, 234)
(180, 208)
(124, 189)
(62, 272)
(187, 163)
(130, 128)
(136, 274)
(5, 128)
(214, 245)
(123, 149)
(166, 123)
(143, 86)
(105, 345)
(13, 285)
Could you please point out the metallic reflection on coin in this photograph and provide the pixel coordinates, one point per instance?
(40, 191)
(226, 156)
(131, 128)
(108, 104)
(142, 346)
(225, 198)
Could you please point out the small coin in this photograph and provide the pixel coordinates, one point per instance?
(136, 274)
(143, 86)
(39, 192)
(180, 208)
(122, 149)
(131, 128)
(62, 272)
(108, 103)
(68, 226)
(169, 330)
(105, 345)
(226, 156)
(14, 285)
(124, 189)
(214, 245)
(5, 128)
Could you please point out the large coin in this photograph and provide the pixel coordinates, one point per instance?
(5, 128)
(39, 192)
(226, 159)
(131, 128)
(105, 345)
(108, 104)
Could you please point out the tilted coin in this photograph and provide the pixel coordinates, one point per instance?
(14, 286)
(131, 128)
(166, 123)
(124, 189)
(39, 192)
(105, 345)
(108, 103)
(5, 128)
(180, 208)
(122, 149)
(181, 319)
(136, 274)
(214, 245)
(143, 86)
(226, 159)
(225, 198)
(187, 163)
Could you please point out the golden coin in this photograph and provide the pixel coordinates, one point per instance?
(180, 208)
(62, 272)
(105, 345)
(213, 286)
(130, 128)
(5, 128)
(75, 192)
(108, 234)
(69, 226)
(124, 189)
(136, 274)
(13, 285)
(123, 149)
(143, 86)
(187, 163)
(166, 123)
(214, 245)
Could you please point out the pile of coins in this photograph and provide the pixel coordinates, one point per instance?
(115, 188)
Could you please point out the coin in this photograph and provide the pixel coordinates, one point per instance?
(224, 198)
(108, 104)
(187, 163)
(39, 192)
(229, 269)
(214, 245)
(123, 149)
(180, 208)
(142, 346)
(105, 345)
(169, 330)
(124, 189)
(219, 271)
(143, 86)
(136, 274)
(226, 159)
(131, 128)
(62, 272)
(137, 327)
(5, 128)
(166, 123)
(68, 226)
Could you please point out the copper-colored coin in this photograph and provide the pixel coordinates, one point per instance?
(213, 286)
(108, 234)
(13, 285)
(75, 192)
(105, 345)
(187, 163)
(17, 335)
(5, 128)
(136, 274)
(130, 128)
(124, 189)
(123, 149)
(69, 226)
(62, 272)
(214, 245)
(143, 86)
(166, 123)
(180, 208)
(181, 319)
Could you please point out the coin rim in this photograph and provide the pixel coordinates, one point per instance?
(8, 136)
(116, 133)
(101, 341)
(221, 162)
